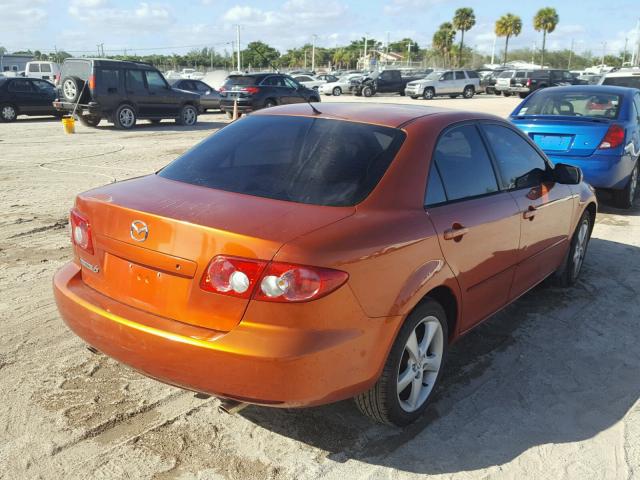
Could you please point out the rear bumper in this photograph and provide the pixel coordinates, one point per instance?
(255, 362)
(81, 109)
(244, 106)
(519, 89)
(601, 171)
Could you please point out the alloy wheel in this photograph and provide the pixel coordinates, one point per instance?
(8, 113)
(420, 364)
(70, 89)
(189, 116)
(127, 117)
(580, 247)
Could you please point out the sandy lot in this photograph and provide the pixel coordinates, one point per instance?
(547, 389)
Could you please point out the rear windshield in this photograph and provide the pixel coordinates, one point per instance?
(299, 159)
(578, 104)
(241, 80)
(76, 68)
(631, 82)
(507, 74)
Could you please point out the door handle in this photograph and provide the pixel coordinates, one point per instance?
(456, 232)
(530, 213)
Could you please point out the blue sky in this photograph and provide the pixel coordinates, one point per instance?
(175, 26)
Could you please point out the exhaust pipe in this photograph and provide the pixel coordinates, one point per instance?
(231, 406)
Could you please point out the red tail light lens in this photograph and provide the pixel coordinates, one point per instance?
(92, 82)
(232, 276)
(222, 89)
(283, 282)
(529, 83)
(271, 282)
(252, 90)
(613, 138)
(80, 231)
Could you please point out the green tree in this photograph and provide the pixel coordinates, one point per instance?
(545, 21)
(463, 20)
(3, 51)
(259, 54)
(443, 41)
(507, 26)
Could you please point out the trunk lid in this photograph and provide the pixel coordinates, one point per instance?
(187, 225)
(559, 135)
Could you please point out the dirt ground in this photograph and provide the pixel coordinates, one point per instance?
(547, 389)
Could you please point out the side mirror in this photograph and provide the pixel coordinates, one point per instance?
(208, 92)
(567, 174)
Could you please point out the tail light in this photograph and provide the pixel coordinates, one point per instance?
(80, 231)
(92, 82)
(529, 83)
(56, 79)
(251, 90)
(270, 282)
(222, 89)
(613, 138)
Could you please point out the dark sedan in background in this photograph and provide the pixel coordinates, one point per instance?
(263, 90)
(209, 96)
(26, 96)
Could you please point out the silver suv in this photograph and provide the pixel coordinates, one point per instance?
(448, 82)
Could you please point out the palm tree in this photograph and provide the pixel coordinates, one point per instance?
(463, 20)
(506, 26)
(443, 40)
(546, 21)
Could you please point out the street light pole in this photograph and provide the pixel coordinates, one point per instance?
(313, 52)
(238, 47)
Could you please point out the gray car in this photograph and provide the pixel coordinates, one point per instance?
(209, 96)
(448, 82)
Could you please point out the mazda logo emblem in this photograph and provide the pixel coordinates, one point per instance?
(139, 231)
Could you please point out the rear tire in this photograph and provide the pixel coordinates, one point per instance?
(569, 271)
(90, 120)
(8, 112)
(468, 92)
(125, 117)
(367, 91)
(407, 383)
(624, 198)
(506, 94)
(337, 91)
(497, 92)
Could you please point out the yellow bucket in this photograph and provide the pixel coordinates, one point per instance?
(69, 125)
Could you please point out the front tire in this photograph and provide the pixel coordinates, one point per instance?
(90, 120)
(624, 198)
(125, 117)
(8, 113)
(569, 271)
(367, 91)
(412, 370)
(468, 92)
(428, 93)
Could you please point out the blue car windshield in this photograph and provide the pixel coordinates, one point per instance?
(573, 104)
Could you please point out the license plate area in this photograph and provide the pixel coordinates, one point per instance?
(554, 142)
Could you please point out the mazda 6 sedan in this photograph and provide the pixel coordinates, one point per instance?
(340, 261)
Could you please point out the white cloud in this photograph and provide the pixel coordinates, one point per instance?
(145, 17)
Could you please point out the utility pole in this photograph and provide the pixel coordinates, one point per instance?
(313, 52)
(624, 54)
(409, 45)
(364, 56)
(238, 45)
(386, 61)
(570, 55)
(211, 52)
(604, 50)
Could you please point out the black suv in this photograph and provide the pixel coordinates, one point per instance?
(387, 81)
(548, 78)
(121, 92)
(262, 90)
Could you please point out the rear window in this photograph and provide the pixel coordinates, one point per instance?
(581, 104)
(45, 67)
(76, 68)
(631, 82)
(241, 80)
(507, 74)
(299, 159)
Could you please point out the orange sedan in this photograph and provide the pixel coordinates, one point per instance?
(297, 258)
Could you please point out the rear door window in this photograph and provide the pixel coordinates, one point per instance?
(463, 163)
(108, 80)
(201, 87)
(460, 75)
(447, 76)
(435, 189)
(519, 164)
(34, 68)
(299, 159)
(134, 80)
(20, 86)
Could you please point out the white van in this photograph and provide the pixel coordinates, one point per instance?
(44, 70)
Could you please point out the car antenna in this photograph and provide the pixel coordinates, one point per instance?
(315, 110)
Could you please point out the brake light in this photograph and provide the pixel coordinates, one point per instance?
(613, 138)
(251, 90)
(222, 89)
(284, 282)
(272, 282)
(80, 231)
(92, 82)
(56, 79)
(529, 83)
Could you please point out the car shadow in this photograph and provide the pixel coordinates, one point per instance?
(557, 366)
(164, 126)
(605, 207)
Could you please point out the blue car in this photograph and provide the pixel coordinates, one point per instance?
(596, 128)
